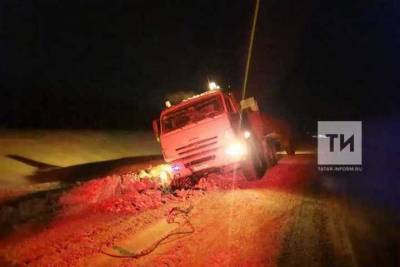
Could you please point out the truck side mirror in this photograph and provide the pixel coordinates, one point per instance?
(156, 127)
(249, 103)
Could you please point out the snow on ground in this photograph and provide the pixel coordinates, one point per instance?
(104, 212)
(23, 152)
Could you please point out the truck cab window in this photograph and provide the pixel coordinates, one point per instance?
(192, 113)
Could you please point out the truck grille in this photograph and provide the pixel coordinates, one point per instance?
(196, 146)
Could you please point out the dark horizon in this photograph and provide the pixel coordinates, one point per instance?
(103, 65)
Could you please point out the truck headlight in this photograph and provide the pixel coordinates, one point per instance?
(236, 149)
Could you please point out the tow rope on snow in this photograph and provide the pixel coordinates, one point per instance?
(172, 215)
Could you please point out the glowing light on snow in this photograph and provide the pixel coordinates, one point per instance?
(166, 175)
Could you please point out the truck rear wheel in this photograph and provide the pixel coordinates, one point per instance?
(290, 148)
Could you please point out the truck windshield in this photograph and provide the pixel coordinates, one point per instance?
(194, 113)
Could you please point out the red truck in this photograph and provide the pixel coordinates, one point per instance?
(213, 132)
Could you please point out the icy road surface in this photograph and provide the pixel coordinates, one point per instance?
(288, 218)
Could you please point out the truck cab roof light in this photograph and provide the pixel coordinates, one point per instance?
(213, 86)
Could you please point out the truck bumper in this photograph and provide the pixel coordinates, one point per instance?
(217, 159)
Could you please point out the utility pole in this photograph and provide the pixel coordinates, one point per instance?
(250, 50)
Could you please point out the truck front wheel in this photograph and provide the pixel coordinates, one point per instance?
(254, 166)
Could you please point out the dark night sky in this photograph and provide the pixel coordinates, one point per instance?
(110, 64)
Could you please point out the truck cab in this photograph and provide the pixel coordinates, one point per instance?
(203, 133)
